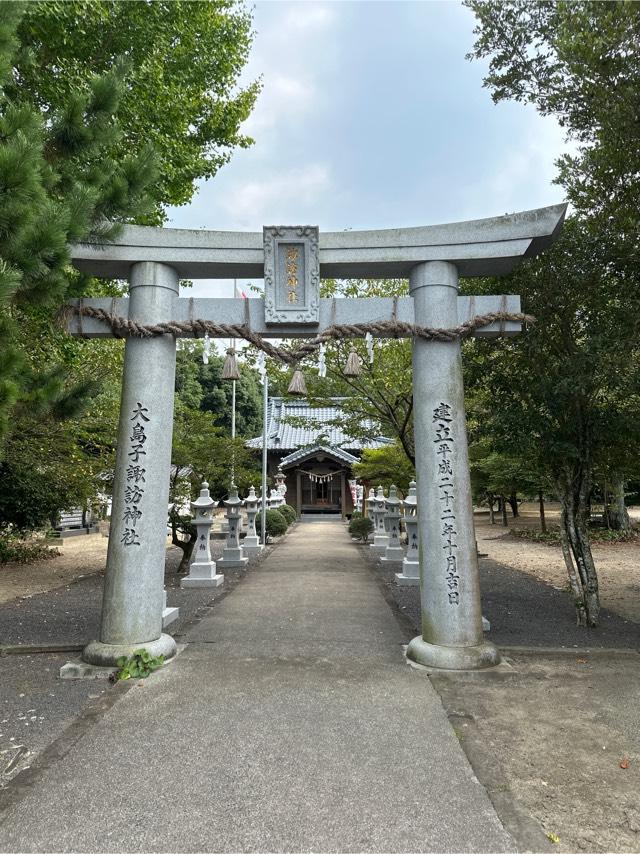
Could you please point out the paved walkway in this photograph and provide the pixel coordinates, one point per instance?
(290, 723)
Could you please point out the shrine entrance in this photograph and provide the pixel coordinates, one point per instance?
(292, 260)
(321, 480)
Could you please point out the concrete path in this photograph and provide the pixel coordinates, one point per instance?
(290, 723)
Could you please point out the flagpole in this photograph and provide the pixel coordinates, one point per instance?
(233, 407)
(265, 404)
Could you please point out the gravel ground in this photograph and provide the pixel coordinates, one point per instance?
(524, 611)
(618, 564)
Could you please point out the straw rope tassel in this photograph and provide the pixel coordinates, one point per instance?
(297, 384)
(354, 363)
(230, 367)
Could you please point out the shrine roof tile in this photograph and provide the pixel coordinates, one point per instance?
(324, 428)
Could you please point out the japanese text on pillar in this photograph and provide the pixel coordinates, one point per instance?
(444, 441)
(135, 476)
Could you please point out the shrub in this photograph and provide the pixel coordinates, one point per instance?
(361, 528)
(289, 513)
(15, 550)
(276, 523)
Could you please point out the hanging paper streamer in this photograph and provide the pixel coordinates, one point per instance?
(321, 478)
(368, 340)
(206, 349)
(261, 366)
(322, 364)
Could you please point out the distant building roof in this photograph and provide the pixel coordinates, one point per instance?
(302, 453)
(322, 429)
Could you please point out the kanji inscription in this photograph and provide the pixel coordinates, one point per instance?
(133, 491)
(445, 442)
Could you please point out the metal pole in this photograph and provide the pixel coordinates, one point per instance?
(233, 431)
(232, 342)
(265, 402)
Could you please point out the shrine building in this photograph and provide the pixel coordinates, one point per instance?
(312, 447)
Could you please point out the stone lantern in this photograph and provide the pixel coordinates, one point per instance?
(410, 575)
(394, 553)
(251, 544)
(202, 572)
(276, 498)
(371, 500)
(380, 536)
(281, 483)
(232, 554)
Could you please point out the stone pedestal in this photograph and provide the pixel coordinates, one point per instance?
(450, 591)
(134, 577)
(251, 545)
(380, 536)
(232, 554)
(169, 615)
(202, 572)
(394, 553)
(410, 575)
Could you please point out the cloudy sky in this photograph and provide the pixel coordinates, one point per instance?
(371, 117)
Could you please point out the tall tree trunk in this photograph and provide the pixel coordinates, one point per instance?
(617, 515)
(573, 491)
(491, 500)
(543, 521)
(513, 502)
(503, 510)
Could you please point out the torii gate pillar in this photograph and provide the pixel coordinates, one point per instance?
(449, 586)
(134, 581)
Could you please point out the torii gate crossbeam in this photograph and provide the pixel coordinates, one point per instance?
(154, 260)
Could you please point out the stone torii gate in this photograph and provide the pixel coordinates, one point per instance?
(292, 260)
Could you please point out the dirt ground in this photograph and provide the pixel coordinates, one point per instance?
(551, 734)
(618, 564)
(79, 556)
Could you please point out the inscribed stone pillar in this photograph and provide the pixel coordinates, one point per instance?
(133, 585)
(450, 589)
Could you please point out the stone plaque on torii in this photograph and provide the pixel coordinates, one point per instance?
(292, 260)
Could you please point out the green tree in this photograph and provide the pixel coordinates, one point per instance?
(386, 466)
(563, 397)
(59, 186)
(182, 95)
(579, 62)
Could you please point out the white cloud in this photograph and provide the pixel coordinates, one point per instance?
(278, 198)
(307, 15)
(282, 96)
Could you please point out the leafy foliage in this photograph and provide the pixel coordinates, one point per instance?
(288, 512)
(276, 523)
(360, 527)
(16, 550)
(137, 666)
(183, 63)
